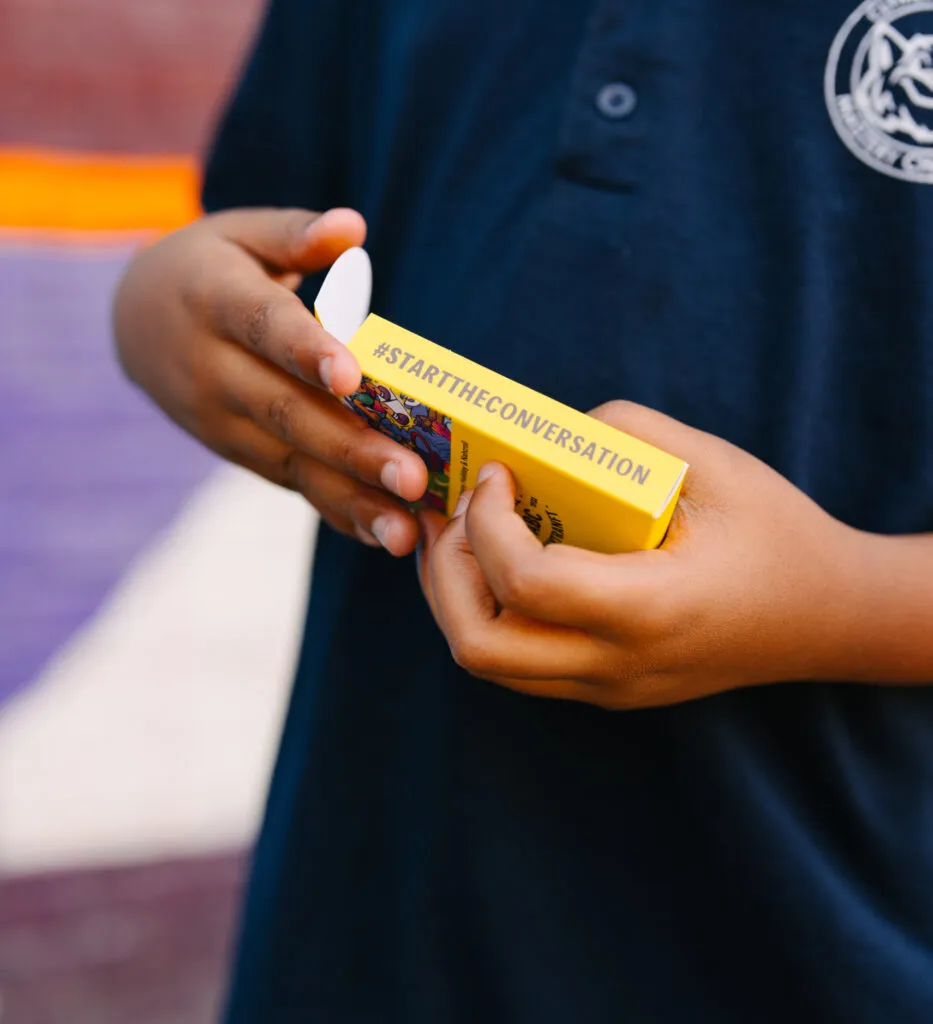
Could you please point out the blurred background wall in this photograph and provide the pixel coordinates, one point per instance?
(150, 598)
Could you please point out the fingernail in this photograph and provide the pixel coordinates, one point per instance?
(379, 528)
(389, 477)
(485, 473)
(324, 371)
(463, 504)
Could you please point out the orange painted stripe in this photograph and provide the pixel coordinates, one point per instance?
(53, 191)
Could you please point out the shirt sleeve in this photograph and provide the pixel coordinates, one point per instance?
(279, 141)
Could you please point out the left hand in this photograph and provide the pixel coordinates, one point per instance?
(746, 588)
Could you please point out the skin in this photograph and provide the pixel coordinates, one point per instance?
(753, 584)
(206, 321)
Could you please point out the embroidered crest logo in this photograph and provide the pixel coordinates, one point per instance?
(879, 87)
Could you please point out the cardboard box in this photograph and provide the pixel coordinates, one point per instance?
(581, 482)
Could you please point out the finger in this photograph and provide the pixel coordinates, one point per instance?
(371, 512)
(263, 314)
(589, 692)
(319, 426)
(246, 307)
(558, 584)
(434, 528)
(485, 642)
(292, 240)
(346, 504)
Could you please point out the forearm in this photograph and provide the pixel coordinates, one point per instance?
(881, 627)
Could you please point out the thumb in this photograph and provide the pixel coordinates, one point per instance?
(292, 240)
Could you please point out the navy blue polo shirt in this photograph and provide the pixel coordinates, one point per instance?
(719, 209)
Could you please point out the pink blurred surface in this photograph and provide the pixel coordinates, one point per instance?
(118, 75)
(146, 944)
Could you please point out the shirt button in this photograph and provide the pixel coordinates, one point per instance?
(616, 100)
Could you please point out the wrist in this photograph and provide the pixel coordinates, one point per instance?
(875, 623)
(821, 603)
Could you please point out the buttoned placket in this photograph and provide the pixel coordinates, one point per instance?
(606, 115)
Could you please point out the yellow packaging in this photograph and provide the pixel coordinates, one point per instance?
(580, 481)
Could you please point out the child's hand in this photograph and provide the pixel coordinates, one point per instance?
(208, 324)
(749, 586)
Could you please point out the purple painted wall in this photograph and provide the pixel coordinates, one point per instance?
(89, 470)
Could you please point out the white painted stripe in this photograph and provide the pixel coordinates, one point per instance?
(152, 733)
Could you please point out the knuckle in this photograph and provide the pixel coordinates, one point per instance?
(289, 345)
(283, 416)
(257, 320)
(348, 452)
(289, 356)
(289, 471)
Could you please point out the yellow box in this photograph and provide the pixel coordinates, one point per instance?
(581, 481)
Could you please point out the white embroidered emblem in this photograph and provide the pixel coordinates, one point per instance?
(879, 87)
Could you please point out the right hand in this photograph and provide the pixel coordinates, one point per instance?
(207, 322)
